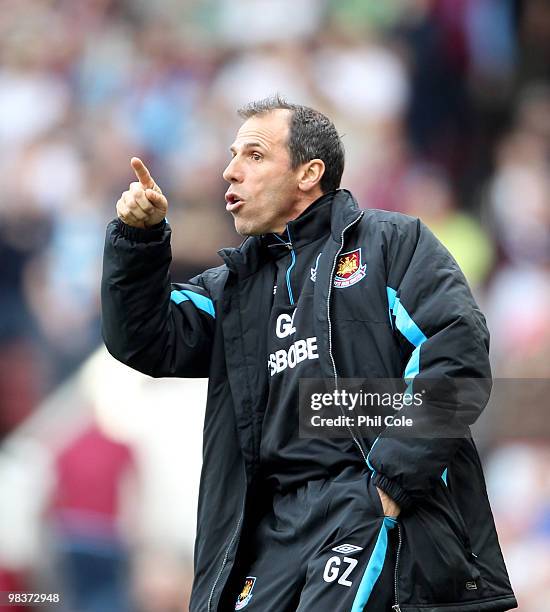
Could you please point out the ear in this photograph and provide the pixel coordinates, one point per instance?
(311, 175)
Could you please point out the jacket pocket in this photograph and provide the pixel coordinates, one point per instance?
(436, 564)
(456, 518)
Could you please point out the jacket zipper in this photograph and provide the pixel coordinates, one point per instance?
(288, 272)
(234, 539)
(396, 607)
(330, 324)
(290, 247)
(288, 283)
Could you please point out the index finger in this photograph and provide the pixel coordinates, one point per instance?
(143, 175)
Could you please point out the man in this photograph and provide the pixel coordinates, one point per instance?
(318, 289)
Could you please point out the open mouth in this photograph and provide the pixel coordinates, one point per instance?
(233, 201)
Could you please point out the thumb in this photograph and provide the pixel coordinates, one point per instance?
(156, 199)
(142, 173)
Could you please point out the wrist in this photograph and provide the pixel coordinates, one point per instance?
(141, 234)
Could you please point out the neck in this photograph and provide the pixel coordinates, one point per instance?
(298, 208)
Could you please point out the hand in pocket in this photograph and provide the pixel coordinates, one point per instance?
(390, 508)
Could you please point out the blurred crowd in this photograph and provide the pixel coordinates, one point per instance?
(443, 107)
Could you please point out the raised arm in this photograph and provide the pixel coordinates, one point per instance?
(151, 325)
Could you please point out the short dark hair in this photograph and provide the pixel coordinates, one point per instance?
(312, 135)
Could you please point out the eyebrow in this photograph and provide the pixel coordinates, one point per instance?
(248, 145)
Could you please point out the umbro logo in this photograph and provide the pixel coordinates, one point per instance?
(313, 271)
(347, 549)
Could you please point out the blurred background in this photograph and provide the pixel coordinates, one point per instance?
(444, 109)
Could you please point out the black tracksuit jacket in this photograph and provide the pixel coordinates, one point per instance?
(412, 314)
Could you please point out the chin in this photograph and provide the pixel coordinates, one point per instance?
(247, 229)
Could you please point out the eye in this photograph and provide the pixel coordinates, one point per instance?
(256, 156)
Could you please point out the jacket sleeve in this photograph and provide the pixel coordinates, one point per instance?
(445, 346)
(151, 325)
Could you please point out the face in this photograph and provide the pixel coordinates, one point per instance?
(263, 192)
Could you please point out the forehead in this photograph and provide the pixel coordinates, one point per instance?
(269, 129)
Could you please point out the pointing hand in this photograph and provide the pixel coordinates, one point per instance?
(143, 205)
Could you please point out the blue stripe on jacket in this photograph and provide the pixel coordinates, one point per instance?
(405, 324)
(374, 566)
(200, 301)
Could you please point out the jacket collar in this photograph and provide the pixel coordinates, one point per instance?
(312, 224)
(344, 211)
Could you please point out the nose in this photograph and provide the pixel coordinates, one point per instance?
(233, 173)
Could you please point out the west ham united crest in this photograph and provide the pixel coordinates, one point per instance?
(349, 269)
(246, 594)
